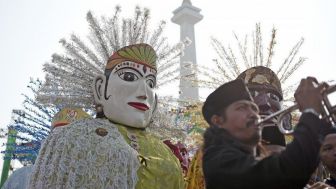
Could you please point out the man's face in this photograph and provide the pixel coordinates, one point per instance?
(130, 97)
(239, 119)
(328, 152)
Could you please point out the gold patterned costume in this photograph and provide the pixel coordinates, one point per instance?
(195, 177)
(159, 166)
(95, 153)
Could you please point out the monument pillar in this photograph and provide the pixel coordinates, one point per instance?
(187, 16)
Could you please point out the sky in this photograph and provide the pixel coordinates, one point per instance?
(30, 31)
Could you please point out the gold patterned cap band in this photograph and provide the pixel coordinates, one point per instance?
(261, 75)
(140, 53)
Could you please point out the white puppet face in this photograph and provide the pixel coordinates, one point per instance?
(129, 96)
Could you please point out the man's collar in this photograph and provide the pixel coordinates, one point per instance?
(222, 136)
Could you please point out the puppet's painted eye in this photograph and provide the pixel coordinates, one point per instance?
(128, 76)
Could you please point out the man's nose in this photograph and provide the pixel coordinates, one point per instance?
(254, 114)
(334, 152)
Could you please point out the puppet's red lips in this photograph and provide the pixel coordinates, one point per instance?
(139, 106)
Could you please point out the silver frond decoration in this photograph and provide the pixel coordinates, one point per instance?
(228, 64)
(69, 74)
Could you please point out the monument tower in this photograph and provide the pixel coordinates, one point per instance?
(187, 16)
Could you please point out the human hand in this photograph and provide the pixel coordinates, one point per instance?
(309, 94)
(319, 185)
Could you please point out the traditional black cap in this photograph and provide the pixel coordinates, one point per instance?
(223, 96)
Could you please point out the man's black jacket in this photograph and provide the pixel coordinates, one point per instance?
(228, 165)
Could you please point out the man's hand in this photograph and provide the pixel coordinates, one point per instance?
(309, 94)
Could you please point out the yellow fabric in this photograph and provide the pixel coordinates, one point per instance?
(195, 177)
(159, 167)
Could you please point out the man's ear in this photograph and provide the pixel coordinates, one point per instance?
(99, 83)
(217, 120)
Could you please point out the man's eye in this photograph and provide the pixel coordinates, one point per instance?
(327, 149)
(273, 96)
(128, 76)
(150, 83)
(241, 108)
